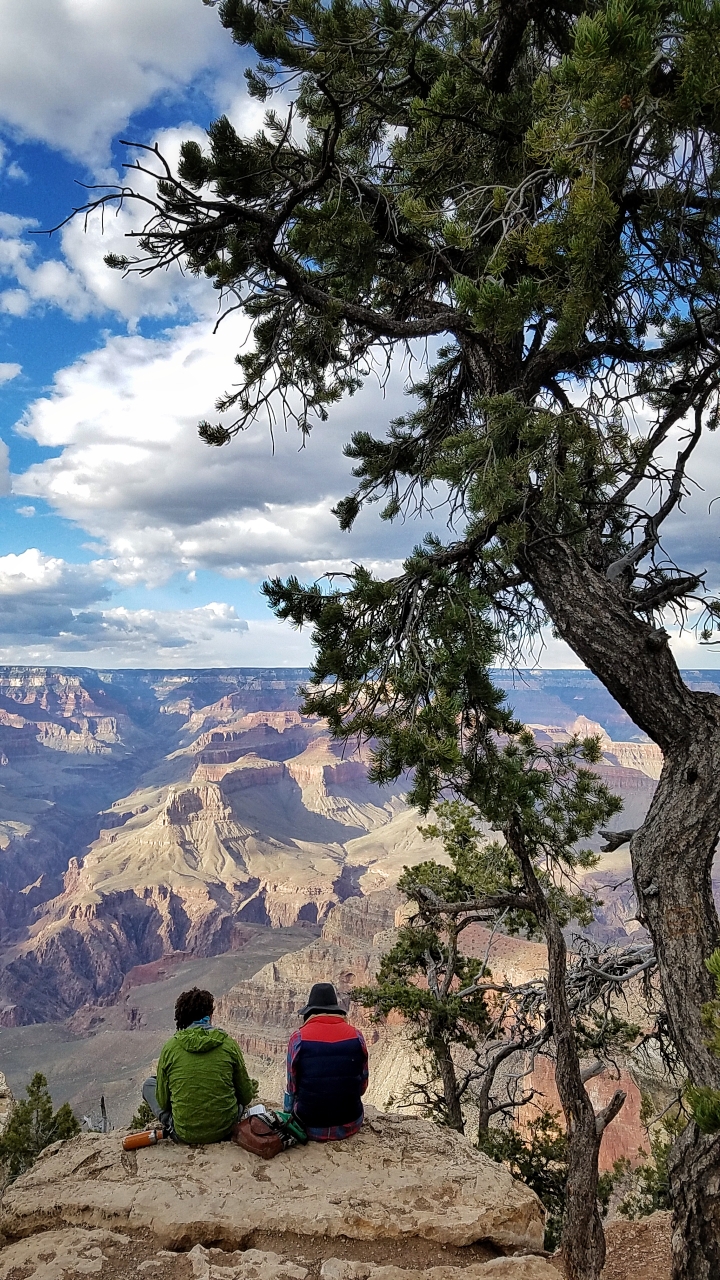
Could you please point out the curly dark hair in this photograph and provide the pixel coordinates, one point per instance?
(192, 1005)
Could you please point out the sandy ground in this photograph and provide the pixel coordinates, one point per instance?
(639, 1250)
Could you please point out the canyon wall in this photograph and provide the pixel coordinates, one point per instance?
(146, 813)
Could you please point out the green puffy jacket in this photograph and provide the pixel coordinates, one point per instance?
(202, 1078)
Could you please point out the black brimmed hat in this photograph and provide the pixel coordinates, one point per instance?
(322, 999)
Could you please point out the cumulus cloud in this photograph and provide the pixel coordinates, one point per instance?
(133, 473)
(10, 170)
(55, 608)
(34, 281)
(76, 279)
(72, 73)
(9, 371)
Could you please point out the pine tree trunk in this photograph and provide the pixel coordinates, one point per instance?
(446, 1067)
(672, 853)
(583, 1238)
(694, 1163)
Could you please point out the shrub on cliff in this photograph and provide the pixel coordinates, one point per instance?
(540, 1159)
(143, 1117)
(33, 1126)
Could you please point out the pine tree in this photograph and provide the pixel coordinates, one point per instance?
(533, 190)
(33, 1126)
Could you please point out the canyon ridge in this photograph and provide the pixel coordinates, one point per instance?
(160, 828)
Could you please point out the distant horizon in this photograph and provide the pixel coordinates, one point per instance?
(287, 670)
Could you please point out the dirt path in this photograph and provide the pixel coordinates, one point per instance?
(639, 1250)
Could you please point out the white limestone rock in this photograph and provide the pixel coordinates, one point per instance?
(59, 1254)
(399, 1177)
(526, 1268)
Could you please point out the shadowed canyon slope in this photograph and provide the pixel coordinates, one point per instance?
(147, 813)
(144, 813)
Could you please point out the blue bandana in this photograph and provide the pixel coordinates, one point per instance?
(201, 1022)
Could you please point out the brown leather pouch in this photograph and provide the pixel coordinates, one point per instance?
(256, 1135)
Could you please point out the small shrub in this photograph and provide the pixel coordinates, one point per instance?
(649, 1183)
(33, 1126)
(143, 1117)
(540, 1161)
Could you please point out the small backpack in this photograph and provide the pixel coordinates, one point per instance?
(267, 1133)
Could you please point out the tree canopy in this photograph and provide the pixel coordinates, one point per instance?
(523, 195)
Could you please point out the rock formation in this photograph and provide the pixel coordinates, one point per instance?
(398, 1179)
(74, 1252)
(7, 1102)
(240, 813)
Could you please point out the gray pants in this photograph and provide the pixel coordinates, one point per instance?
(150, 1096)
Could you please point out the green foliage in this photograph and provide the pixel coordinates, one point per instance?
(426, 977)
(704, 1102)
(649, 1182)
(143, 1117)
(540, 1161)
(33, 1126)
(541, 191)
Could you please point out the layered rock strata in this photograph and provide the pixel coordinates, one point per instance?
(262, 1012)
(70, 1253)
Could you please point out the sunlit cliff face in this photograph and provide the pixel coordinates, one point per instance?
(144, 813)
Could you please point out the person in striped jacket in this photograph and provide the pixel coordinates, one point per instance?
(327, 1069)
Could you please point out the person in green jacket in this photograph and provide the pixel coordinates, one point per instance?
(202, 1085)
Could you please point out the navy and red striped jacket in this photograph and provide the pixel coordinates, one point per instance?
(327, 1074)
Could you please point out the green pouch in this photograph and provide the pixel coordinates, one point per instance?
(291, 1126)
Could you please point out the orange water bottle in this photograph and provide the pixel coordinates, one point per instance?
(147, 1138)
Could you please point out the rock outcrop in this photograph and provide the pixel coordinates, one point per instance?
(73, 1252)
(7, 1101)
(216, 835)
(499, 1268)
(399, 1178)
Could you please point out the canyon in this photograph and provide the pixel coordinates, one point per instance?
(159, 828)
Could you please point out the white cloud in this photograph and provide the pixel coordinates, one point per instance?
(9, 371)
(54, 608)
(50, 282)
(77, 281)
(133, 472)
(11, 170)
(49, 580)
(208, 637)
(72, 72)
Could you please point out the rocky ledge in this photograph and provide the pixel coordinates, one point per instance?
(399, 1180)
(76, 1252)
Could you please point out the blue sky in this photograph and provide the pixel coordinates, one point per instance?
(124, 540)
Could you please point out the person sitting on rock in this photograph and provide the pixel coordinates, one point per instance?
(202, 1086)
(327, 1069)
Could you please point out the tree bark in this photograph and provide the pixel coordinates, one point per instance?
(693, 1167)
(672, 852)
(446, 1067)
(583, 1238)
